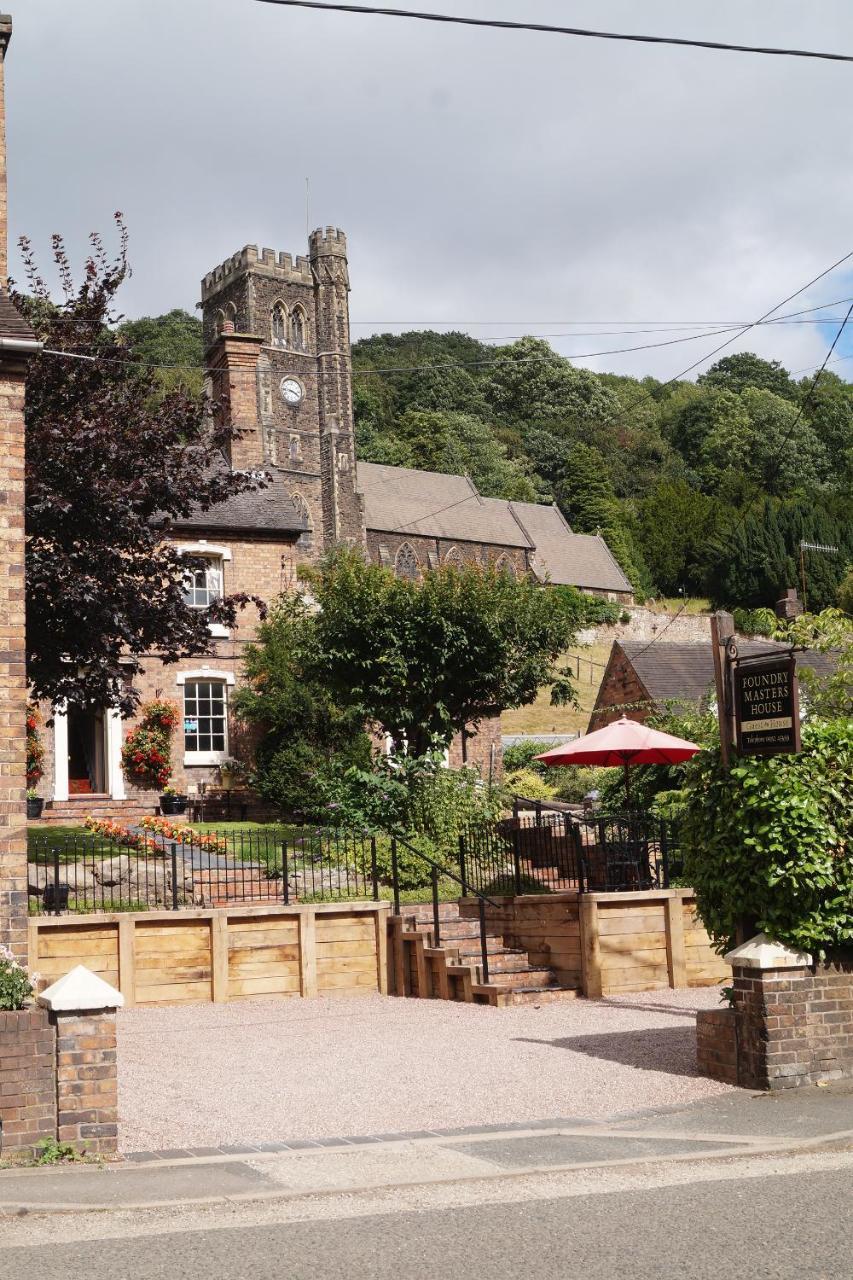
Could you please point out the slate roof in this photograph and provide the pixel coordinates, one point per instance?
(433, 505)
(429, 503)
(258, 511)
(12, 323)
(567, 558)
(685, 672)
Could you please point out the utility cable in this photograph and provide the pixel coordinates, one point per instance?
(544, 28)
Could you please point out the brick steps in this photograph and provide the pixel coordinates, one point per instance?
(76, 809)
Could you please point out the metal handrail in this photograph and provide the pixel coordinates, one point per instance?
(437, 870)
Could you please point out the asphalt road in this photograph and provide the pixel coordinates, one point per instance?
(795, 1226)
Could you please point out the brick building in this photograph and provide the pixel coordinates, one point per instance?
(642, 678)
(277, 353)
(17, 343)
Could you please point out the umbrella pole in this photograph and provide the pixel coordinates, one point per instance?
(627, 769)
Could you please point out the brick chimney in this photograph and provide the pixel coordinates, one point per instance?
(790, 606)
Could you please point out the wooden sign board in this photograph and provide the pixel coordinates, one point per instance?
(767, 707)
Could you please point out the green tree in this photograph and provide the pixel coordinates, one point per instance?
(745, 369)
(587, 500)
(300, 735)
(461, 444)
(171, 339)
(845, 593)
(529, 381)
(427, 659)
(673, 525)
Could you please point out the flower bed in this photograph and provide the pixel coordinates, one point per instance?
(108, 829)
(184, 835)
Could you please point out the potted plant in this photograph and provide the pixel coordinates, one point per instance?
(172, 802)
(35, 758)
(35, 803)
(230, 773)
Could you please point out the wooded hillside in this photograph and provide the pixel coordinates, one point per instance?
(706, 487)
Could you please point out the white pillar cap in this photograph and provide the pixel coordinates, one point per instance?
(762, 952)
(80, 991)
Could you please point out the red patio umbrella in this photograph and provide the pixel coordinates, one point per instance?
(624, 742)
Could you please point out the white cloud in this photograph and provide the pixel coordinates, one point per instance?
(479, 175)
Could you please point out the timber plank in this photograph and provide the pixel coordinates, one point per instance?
(175, 959)
(62, 946)
(175, 993)
(633, 959)
(284, 984)
(177, 976)
(264, 955)
(347, 981)
(621, 943)
(346, 964)
(357, 947)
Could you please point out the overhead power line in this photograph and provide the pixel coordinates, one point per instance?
(544, 28)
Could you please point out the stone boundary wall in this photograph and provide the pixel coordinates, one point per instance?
(788, 1027)
(58, 1079)
(645, 625)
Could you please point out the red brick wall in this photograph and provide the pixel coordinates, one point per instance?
(13, 683)
(86, 1081)
(620, 690)
(27, 1080)
(791, 1027)
(716, 1044)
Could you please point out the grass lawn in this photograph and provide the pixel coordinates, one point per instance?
(73, 843)
(541, 717)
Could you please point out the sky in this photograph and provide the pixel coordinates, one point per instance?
(497, 182)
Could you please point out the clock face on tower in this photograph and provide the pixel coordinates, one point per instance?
(291, 390)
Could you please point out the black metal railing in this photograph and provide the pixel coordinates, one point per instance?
(550, 851)
(141, 871)
(436, 873)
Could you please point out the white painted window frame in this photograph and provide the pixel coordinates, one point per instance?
(211, 551)
(210, 674)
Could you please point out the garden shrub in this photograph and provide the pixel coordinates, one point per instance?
(769, 841)
(505, 886)
(15, 984)
(528, 784)
(35, 747)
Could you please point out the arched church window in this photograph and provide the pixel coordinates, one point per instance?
(231, 316)
(454, 558)
(503, 564)
(298, 329)
(406, 562)
(219, 322)
(278, 325)
(295, 449)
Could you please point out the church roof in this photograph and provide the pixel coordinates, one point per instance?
(434, 505)
(567, 558)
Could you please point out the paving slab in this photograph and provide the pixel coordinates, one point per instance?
(797, 1114)
(558, 1148)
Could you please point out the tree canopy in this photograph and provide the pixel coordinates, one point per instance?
(111, 460)
(426, 659)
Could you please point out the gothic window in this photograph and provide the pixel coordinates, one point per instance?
(231, 315)
(406, 562)
(298, 330)
(454, 557)
(219, 321)
(503, 564)
(302, 508)
(295, 449)
(279, 325)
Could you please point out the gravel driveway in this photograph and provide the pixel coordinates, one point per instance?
(202, 1075)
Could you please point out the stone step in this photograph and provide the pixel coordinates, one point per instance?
(503, 963)
(535, 995)
(523, 978)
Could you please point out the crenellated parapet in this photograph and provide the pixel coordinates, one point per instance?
(279, 266)
(327, 242)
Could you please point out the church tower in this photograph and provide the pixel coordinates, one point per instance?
(277, 345)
